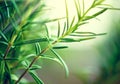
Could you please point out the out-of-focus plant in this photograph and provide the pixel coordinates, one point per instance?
(110, 57)
(23, 29)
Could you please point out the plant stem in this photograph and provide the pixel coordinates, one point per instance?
(34, 60)
(7, 51)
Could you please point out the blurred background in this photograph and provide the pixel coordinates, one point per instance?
(95, 61)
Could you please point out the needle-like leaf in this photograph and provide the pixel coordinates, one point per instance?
(35, 77)
(1, 33)
(58, 29)
(37, 48)
(61, 60)
(31, 41)
(60, 47)
(95, 15)
(78, 9)
(67, 16)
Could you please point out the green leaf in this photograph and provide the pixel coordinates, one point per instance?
(62, 62)
(60, 47)
(7, 74)
(14, 77)
(34, 67)
(98, 2)
(2, 70)
(35, 77)
(37, 48)
(24, 42)
(83, 6)
(3, 42)
(22, 58)
(86, 34)
(110, 8)
(3, 36)
(78, 9)
(51, 58)
(16, 6)
(76, 40)
(94, 15)
(58, 29)
(72, 22)
(67, 16)
(8, 12)
(64, 29)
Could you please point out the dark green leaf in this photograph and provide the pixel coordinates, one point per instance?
(7, 74)
(11, 59)
(31, 41)
(62, 62)
(35, 77)
(7, 8)
(60, 47)
(2, 71)
(68, 40)
(16, 6)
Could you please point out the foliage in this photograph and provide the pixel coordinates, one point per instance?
(22, 30)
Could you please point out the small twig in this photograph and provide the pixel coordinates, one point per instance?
(33, 61)
(7, 50)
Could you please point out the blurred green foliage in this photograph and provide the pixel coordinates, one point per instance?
(23, 30)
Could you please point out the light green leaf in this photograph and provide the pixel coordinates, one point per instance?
(51, 58)
(109, 8)
(3, 36)
(58, 29)
(72, 22)
(78, 9)
(34, 67)
(64, 28)
(35, 77)
(67, 16)
(3, 42)
(37, 48)
(98, 2)
(62, 62)
(76, 40)
(94, 15)
(86, 34)
(47, 31)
